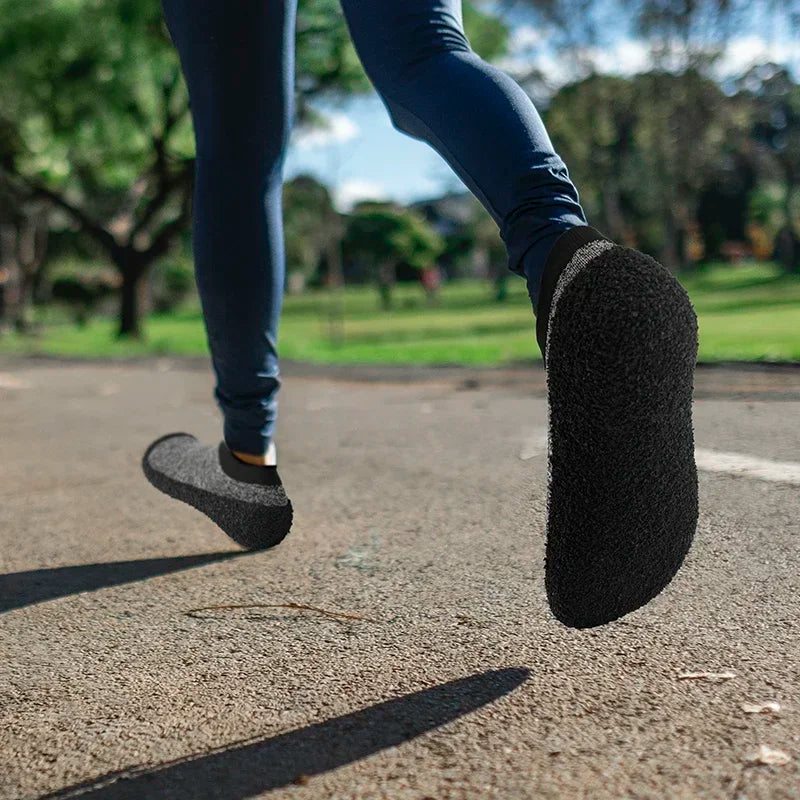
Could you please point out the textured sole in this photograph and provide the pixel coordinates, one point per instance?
(257, 526)
(622, 480)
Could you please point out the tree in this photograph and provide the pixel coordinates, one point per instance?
(313, 230)
(656, 141)
(685, 119)
(101, 115)
(23, 245)
(312, 226)
(383, 236)
(688, 120)
(775, 100)
(680, 34)
(478, 238)
(602, 157)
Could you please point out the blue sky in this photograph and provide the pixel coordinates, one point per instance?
(361, 155)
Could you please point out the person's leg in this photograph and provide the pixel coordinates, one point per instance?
(477, 117)
(617, 331)
(237, 58)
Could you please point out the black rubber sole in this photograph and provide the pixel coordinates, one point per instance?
(622, 485)
(257, 527)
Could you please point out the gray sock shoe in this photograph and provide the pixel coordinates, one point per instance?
(247, 501)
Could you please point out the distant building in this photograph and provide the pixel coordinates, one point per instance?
(448, 215)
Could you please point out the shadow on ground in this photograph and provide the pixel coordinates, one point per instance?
(20, 589)
(245, 769)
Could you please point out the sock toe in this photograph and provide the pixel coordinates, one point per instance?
(622, 489)
(250, 504)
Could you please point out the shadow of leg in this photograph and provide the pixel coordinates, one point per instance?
(20, 589)
(244, 769)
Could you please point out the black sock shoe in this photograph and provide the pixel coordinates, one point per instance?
(246, 500)
(619, 336)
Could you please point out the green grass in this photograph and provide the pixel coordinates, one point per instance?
(749, 312)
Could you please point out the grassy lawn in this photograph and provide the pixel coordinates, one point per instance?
(749, 312)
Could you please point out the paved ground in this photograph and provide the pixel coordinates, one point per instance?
(420, 513)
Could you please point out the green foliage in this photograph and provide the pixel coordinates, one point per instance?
(654, 142)
(382, 236)
(381, 233)
(87, 84)
(326, 60)
(94, 93)
(173, 282)
(311, 224)
(775, 122)
(487, 34)
(81, 292)
(766, 207)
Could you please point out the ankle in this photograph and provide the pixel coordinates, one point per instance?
(558, 258)
(267, 459)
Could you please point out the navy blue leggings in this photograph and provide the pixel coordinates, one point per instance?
(238, 60)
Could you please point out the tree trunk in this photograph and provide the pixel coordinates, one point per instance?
(32, 238)
(670, 257)
(386, 296)
(385, 280)
(612, 213)
(336, 290)
(501, 287)
(129, 306)
(9, 271)
(787, 198)
(133, 294)
(786, 249)
(22, 319)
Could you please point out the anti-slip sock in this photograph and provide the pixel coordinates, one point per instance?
(619, 336)
(246, 501)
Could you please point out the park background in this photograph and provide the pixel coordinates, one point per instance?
(679, 122)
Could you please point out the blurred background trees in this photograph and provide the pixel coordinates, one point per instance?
(96, 151)
(95, 125)
(382, 237)
(97, 120)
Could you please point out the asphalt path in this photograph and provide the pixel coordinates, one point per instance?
(398, 643)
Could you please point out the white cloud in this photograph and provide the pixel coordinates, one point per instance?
(339, 128)
(628, 56)
(624, 57)
(528, 50)
(745, 51)
(351, 191)
(524, 37)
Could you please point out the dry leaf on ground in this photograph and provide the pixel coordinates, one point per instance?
(769, 757)
(769, 707)
(706, 676)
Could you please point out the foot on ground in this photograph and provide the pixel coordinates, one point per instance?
(247, 501)
(620, 345)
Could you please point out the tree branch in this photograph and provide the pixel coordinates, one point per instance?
(93, 228)
(163, 239)
(164, 181)
(166, 185)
